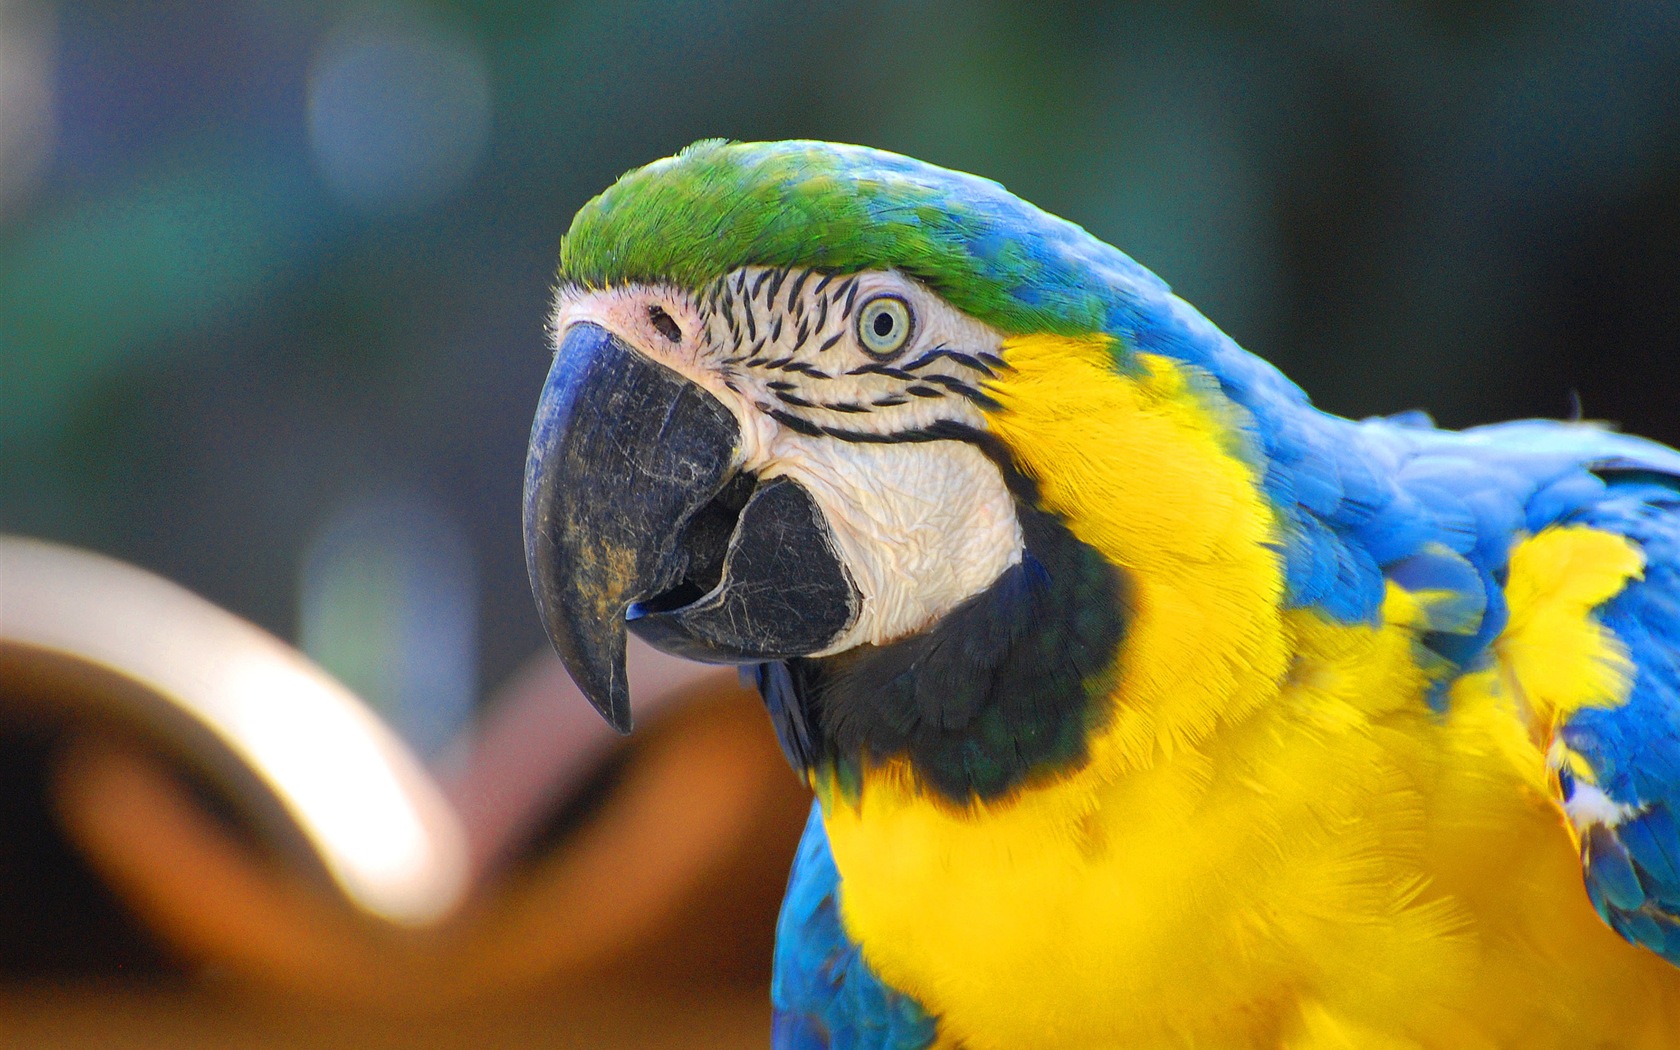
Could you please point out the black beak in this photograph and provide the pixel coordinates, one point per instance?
(634, 507)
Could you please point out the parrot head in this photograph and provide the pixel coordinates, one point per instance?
(770, 436)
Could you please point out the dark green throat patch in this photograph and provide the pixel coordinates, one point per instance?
(1007, 686)
(718, 206)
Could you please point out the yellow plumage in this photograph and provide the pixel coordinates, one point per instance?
(1276, 841)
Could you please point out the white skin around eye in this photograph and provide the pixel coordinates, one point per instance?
(921, 525)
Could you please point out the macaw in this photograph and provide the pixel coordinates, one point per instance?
(1144, 704)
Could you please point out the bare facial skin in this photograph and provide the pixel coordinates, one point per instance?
(834, 381)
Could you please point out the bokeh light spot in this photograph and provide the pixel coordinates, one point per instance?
(399, 109)
(27, 124)
(388, 606)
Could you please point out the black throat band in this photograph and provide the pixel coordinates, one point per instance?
(1004, 687)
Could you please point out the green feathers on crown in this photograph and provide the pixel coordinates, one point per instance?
(718, 206)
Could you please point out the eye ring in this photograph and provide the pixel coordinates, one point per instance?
(884, 325)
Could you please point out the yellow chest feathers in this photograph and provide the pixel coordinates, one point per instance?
(1274, 842)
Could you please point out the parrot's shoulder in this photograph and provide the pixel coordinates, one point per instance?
(824, 993)
(1560, 546)
(1396, 500)
(1478, 491)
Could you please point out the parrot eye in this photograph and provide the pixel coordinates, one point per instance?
(884, 325)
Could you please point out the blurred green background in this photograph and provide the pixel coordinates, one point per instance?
(273, 273)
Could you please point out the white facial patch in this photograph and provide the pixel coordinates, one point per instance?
(862, 419)
(922, 526)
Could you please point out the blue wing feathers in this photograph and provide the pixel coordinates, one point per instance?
(1633, 866)
(1357, 498)
(825, 996)
(1646, 617)
(1562, 498)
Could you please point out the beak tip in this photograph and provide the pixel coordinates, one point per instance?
(614, 707)
(602, 681)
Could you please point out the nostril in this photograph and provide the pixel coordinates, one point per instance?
(662, 321)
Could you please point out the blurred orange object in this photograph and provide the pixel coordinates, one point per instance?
(260, 823)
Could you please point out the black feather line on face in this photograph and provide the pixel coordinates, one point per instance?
(957, 386)
(938, 353)
(877, 368)
(792, 422)
(793, 289)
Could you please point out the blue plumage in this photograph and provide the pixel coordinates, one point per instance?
(1633, 866)
(824, 993)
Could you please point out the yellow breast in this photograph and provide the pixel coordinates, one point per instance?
(1274, 841)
